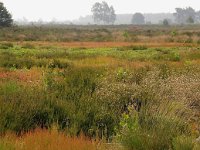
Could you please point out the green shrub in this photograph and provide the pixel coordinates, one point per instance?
(198, 41)
(164, 71)
(141, 47)
(189, 40)
(18, 63)
(28, 110)
(139, 74)
(6, 45)
(144, 131)
(67, 98)
(175, 57)
(121, 74)
(51, 54)
(167, 55)
(169, 39)
(57, 64)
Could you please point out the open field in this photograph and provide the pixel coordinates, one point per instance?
(133, 94)
(94, 33)
(100, 44)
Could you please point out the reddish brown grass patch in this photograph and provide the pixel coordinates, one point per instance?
(48, 140)
(104, 44)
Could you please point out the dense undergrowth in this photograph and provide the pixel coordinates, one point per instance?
(146, 98)
(95, 33)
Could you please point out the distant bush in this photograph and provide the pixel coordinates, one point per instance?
(198, 41)
(24, 60)
(165, 22)
(28, 46)
(169, 40)
(167, 55)
(51, 54)
(142, 47)
(189, 40)
(18, 63)
(57, 64)
(6, 45)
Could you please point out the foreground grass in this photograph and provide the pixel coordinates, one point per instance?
(144, 97)
(46, 140)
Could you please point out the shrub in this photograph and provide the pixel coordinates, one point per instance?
(145, 131)
(28, 109)
(57, 64)
(18, 63)
(189, 40)
(198, 41)
(6, 45)
(141, 47)
(175, 57)
(28, 46)
(157, 111)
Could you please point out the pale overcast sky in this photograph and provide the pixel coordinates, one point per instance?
(73, 9)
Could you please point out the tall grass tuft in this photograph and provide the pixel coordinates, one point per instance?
(45, 140)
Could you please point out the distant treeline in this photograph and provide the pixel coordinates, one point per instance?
(104, 14)
(181, 16)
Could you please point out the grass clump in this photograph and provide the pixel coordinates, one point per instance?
(183, 143)
(45, 140)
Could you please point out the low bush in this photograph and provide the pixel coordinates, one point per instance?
(142, 47)
(58, 64)
(28, 46)
(6, 45)
(151, 132)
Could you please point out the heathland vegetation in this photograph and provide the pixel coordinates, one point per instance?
(100, 87)
(139, 95)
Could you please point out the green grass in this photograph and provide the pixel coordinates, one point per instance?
(89, 90)
(127, 53)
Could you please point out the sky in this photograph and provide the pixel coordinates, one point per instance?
(62, 10)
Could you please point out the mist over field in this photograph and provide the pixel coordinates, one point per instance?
(79, 12)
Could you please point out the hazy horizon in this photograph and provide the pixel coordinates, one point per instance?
(60, 10)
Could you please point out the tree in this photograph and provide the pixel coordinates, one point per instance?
(138, 18)
(183, 14)
(5, 17)
(198, 16)
(190, 20)
(102, 12)
(112, 15)
(166, 22)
